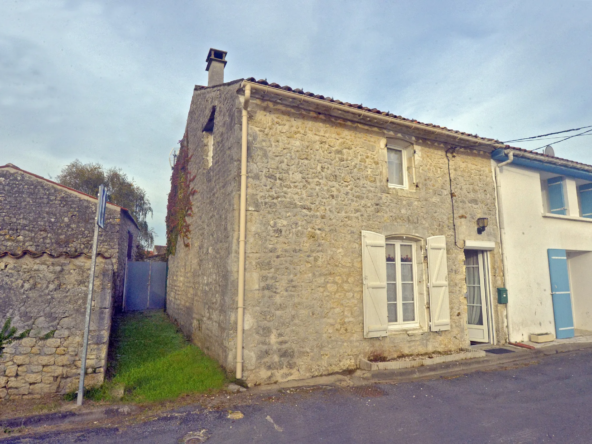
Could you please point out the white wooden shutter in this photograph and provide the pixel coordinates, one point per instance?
(374, 269)
(438, 275)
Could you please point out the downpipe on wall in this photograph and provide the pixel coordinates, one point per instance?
(242, 238)
(500, 212)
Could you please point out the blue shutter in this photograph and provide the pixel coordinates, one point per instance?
(564, 324)
(585, 193)
(556, 198)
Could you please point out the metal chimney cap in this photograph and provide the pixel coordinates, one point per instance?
(216, 55)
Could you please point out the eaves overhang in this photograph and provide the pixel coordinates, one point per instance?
(562, 167)
(362, 115)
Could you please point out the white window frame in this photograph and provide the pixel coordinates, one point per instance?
(400, 324)
(403, 167)
(545, 176)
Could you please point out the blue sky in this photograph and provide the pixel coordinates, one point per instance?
(111, 81)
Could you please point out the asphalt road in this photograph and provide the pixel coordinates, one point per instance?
(546, 403)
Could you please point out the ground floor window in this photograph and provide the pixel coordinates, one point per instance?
(401, 283)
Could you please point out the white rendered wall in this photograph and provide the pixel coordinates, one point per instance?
(527, 233)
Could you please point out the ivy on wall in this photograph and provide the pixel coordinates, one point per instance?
(180, 207)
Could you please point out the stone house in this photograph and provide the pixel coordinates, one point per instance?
(546, 229)
(46, 235)
(325, 232)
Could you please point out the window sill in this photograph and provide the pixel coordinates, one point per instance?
(574, 218)
(409, 329)
(403, 192)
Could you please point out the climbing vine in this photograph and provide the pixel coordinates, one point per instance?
(180, 207)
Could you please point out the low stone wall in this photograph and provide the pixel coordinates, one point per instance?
(48, 295)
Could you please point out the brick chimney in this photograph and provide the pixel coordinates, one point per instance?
(216, 63)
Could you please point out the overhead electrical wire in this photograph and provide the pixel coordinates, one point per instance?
(562, 140)
(534, 138)
(549, 134)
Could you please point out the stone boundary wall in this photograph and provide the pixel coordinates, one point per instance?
(48, 295)
(39, 216)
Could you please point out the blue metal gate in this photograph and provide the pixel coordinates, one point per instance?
(145, 286)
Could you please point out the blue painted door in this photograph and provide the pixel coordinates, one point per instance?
(564, 324)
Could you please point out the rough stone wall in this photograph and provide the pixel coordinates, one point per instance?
(48, 295)
(38, 216)
(202, 283)
(314, 184)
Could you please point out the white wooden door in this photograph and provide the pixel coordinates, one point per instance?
(477, 296)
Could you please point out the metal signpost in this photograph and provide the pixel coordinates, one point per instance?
(99, 222)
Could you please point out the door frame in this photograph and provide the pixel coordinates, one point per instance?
(486, 296)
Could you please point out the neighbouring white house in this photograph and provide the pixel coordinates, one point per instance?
(545, 207)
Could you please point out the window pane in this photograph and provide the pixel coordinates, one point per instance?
(408, 312)
(406, 272)
(407, 292)
(471, 258)
(391, 292)
(395, 167)
(391, 272)
(406, 253)
(475, 315)
(472, 275)
(390, 253)
(392, 312)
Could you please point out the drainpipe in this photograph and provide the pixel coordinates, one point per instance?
(498, 187)
(510, 160)
(242, 239)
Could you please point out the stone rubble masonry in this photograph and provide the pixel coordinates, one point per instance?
(314, 183)
(202, 283)
(39, 216)
(48, 295)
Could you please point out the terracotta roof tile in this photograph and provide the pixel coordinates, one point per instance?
(364, 108)
(543, 157)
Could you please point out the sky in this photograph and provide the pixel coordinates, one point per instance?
(111, 81)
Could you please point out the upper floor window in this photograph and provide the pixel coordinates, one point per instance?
(397, 167)
(555, 188)
(585, 198)
(400, 163)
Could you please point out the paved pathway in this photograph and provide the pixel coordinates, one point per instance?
(546, 403)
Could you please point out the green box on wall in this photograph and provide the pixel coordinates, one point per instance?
(502, 295)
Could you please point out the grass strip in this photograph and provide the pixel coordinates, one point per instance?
(154, 362)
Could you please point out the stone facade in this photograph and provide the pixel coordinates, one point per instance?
(48, 295)
(315, 182)
(202, 283)
(46, 233)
